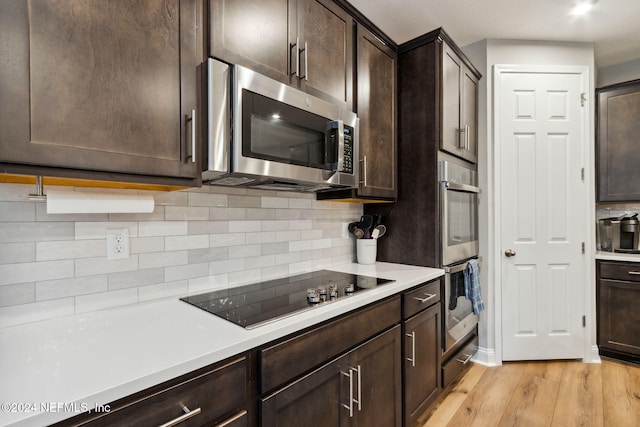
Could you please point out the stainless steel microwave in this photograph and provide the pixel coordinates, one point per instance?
(264, 134)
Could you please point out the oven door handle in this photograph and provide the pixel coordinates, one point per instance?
(461, 187)
(456, 268)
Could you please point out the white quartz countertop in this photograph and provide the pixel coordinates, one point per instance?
(55, 369)
(616, 256)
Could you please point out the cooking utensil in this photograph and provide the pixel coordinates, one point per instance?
(375, 233)
(366, 223)
(381, 229)
(356, 229)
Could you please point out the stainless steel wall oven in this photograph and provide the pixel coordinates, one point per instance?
(459, 319)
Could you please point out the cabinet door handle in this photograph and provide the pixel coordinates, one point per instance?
(467, 138)
(306, 62)
(349, 407)
(192, 119)
(232, 419)
(462, 137)
(364, 170)
(428, 297)
(466, 359)
(359, 401)
(295, 45)
(412, 359)
(187, 414)
(634, 273)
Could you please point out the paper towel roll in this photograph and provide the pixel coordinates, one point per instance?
(64, 202)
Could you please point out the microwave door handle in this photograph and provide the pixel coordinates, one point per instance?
(340, 156)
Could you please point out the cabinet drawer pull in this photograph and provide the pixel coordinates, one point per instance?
(634, 273)
(364, 171)
(412, 359)
(349, 407)
(232, 419)
(295, 45)
(193, 136)
(306, 63)
(187, 414)
(359, 401)
(466, 360)
(428, 297)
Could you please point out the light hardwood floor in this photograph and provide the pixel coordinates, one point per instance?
(555, 393)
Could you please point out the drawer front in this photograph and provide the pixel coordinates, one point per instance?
(207, 396)
(418, 299)
(459, 362)
(286, 360)
(620, 271)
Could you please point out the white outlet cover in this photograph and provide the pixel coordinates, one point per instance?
(117, 243)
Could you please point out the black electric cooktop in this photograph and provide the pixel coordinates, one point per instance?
(254, 305)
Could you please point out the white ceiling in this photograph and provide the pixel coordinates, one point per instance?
(613, 26)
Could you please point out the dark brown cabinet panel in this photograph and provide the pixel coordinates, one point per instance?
(618, 142)
(303, 43)
(422, 350)
(361, 388)
(100, 86)
(376, 108)
(617, 310)
(208, 394)
(459, 134)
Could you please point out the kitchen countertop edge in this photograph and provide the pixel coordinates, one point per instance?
(99, 357)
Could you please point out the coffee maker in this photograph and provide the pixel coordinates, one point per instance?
(629, 232)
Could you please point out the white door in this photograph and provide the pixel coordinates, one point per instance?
(541, 126)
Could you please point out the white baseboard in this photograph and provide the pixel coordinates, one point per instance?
(486, 356)
(593, 356)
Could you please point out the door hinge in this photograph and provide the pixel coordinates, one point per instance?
(582, 174)
(584, 321)
(583, 99)
(583, 249)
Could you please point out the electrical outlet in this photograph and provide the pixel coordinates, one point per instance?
(117, 243)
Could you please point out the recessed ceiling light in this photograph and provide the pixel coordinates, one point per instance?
(582, 7)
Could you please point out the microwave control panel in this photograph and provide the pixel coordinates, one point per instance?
(347, 165)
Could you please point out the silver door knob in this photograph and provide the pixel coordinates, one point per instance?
(510, 253)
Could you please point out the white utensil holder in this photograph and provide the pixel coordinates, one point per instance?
(366, 251)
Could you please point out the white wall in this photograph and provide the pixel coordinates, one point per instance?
(619, 73)
(485, 55)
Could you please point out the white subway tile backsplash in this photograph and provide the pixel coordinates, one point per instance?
(132, 279)
(196, 240)
(177, 243)
(208, 199)
(188, 213)
(25, 313)
(141, 245)
(163, 290)
(208, 283)
(101, 265)
(189, 271)
(102, 300)
(21, 293)
(162, 259)
(63, 288)
(244, 226)
(230, 239)
(163, 228)
(11, 232)
(46, 251)
(11, 253)
(17, 211)
(35, 271)
(98, 230)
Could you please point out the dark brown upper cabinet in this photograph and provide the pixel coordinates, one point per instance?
(100, 90)
(618, 142)
(376, 107)
(459, 106)
(303, 43)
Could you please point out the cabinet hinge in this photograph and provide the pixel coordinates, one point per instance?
(583, 249)
(583, 99)
(584, 321)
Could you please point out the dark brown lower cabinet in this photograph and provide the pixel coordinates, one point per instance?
(421, 329)
(618, 300)
(421, 362)
(360, 388)
(215, 395)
